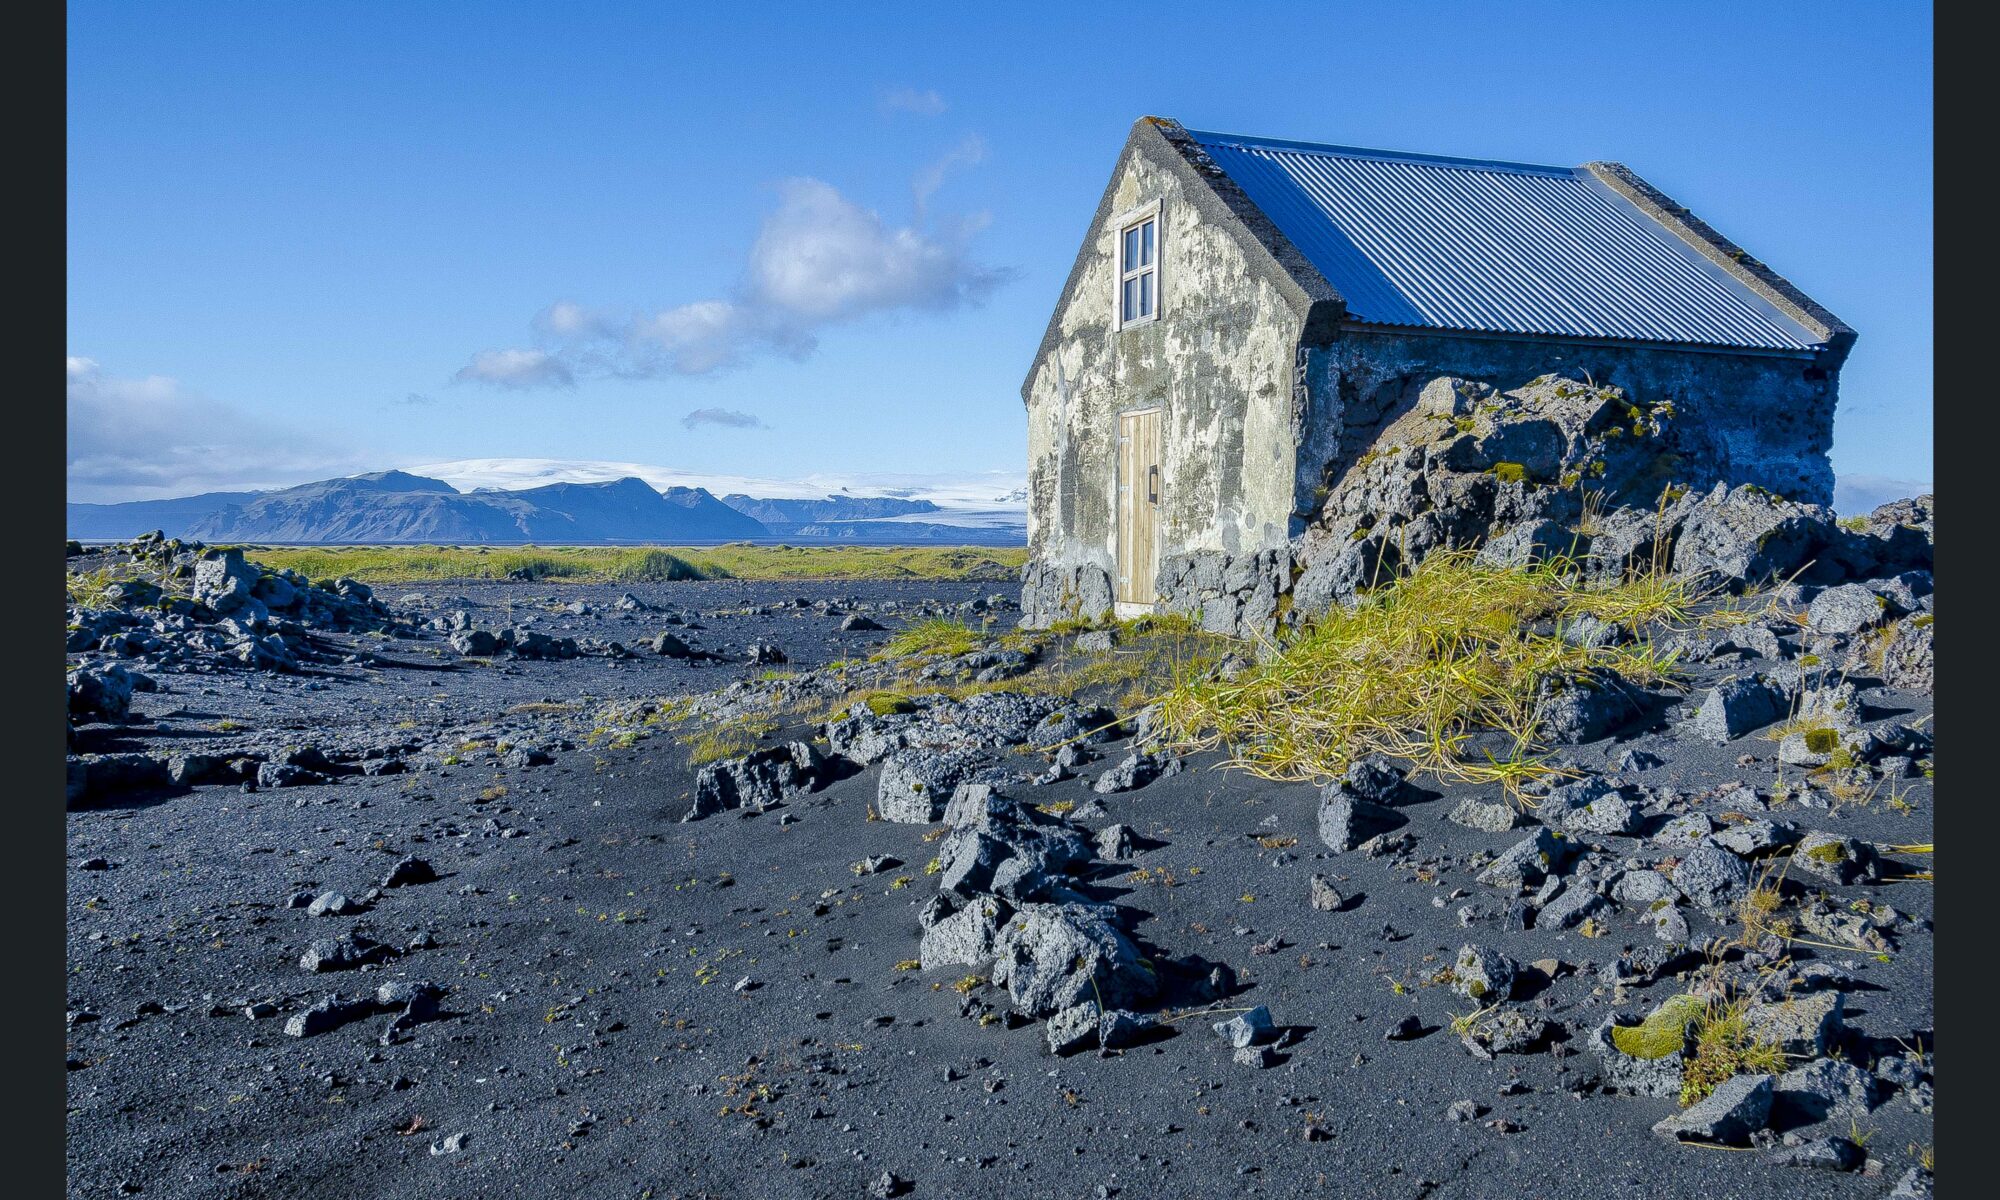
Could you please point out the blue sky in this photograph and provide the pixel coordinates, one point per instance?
(312, 239)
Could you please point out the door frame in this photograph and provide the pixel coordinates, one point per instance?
(1121, 608)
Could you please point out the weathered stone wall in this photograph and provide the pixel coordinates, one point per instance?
(1739, 417)
(1219, 362)
(1234, 596)
(1567, 462)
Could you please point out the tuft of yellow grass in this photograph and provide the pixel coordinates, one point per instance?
(1423, 666)
(935, 636)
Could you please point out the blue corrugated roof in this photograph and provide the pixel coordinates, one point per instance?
(1452, 243)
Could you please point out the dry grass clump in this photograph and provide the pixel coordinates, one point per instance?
(936, 636)
(1758, 910)
(1421, 667)
(1725, 1047)
(729, 739)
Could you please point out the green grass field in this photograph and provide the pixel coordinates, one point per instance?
(643, 564)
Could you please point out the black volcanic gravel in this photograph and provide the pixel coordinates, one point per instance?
(591, 1037)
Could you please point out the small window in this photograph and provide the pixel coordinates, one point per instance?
(1138, 296)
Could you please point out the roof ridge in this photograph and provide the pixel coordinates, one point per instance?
(1209, 137)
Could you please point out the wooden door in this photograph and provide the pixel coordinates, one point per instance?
(1139, 484)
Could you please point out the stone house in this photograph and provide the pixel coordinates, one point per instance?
(1252, 325)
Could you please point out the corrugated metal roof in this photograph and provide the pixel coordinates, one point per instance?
(1449, 243)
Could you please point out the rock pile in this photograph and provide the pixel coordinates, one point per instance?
(1563, 468)
(164, 604)
(1008, 904)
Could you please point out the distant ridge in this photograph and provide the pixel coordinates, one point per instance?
(391, 507)
(394, 506)
(102, 522)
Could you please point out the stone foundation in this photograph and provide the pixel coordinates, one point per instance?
(1234, 596)
(1052, 592)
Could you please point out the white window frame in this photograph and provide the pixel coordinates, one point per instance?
(1120, 273)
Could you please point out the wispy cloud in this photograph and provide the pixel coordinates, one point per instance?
(969, 152)
(923, 102)
(517, 368)
(819, 260)
(147, 437)
(728, 418)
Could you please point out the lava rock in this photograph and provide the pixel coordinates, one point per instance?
(1052, 956)
(1347, 819)
(1712, 877)
(1836, 859)
(758, 780)
(1820, 1154)
(1524, 864)
(1073, 1028)
(916, 784)
(341, 953)
(1252, 1028)
(329, 1012)
(408, 872)
(1737, 1108)
(1827, 1088)
(1135, 771)
(1481, 975)
(1488, 816)
(1736, 707)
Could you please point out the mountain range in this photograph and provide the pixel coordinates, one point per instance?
(401, 507)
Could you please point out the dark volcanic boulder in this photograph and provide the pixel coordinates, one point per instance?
(758, 780)
(223, 581)
(1000, 846)
(916, 784)
(103, 692)
(1347, 819)
(475, 642)
(1907, 657)
(1746, 536)
(1052, 956)
(1737, 1108)
(1733, 708)
(1587, 705)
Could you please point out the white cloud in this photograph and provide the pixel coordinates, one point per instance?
(925, 102)
(692, 339)
(567, 319)
(516, 368)
(144, 438)
(823, 258)
(819, 259)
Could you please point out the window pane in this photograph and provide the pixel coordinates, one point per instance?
(1131, 258)
(1146, 242)
(1131, 299)
(1146, 294)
